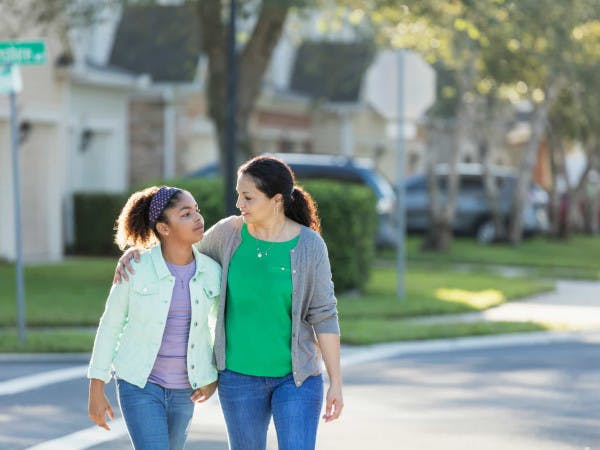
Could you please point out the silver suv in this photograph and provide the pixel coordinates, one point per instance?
(473, 215)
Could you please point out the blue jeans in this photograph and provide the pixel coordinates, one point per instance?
(157, 418)
(249, 402)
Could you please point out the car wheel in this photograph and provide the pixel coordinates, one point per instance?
(486, 232)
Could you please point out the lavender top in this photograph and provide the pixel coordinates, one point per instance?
(170, 367)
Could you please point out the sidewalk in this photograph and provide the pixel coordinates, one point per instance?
(574, 305)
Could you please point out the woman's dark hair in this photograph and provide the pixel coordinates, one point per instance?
(133, 225)
(272, 176)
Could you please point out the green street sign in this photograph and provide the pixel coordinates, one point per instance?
(19, 53)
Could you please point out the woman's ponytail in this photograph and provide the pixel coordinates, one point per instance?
(301, 208)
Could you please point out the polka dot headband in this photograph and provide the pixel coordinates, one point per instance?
(159, 201)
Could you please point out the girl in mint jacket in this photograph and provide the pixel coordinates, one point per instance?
(157, 331)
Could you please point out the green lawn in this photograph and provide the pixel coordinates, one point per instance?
(72, 294)
(47, 341)
(574, 258)
(372, 331)
(437, 291)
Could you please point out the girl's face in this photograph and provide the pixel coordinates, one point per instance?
(184, 221)
(254, 205)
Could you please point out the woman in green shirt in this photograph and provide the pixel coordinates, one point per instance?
(277, 318)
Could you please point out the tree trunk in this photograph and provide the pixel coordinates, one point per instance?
(492, 191)
(441, 210)
(558, 226)
(538, 125)
(252, 65)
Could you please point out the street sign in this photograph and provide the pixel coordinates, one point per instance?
(10, 79)
(20, 53)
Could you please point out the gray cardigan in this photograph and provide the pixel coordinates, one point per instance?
(314, 308)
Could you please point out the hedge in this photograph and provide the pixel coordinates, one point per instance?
(347, 212)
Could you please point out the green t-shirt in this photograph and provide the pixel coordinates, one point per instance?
(258, 322)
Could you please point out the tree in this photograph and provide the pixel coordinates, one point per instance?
(517, 50)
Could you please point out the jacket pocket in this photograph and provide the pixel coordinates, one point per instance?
(144, 289)
(211, 292)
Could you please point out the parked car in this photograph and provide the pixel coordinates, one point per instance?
(473, 215)
(334, 167)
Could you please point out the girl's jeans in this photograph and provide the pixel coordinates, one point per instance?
(157, 418)
(248, 403)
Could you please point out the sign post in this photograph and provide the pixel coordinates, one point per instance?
(13, 54)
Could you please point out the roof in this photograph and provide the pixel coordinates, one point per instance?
(161, 41)
(331, 71)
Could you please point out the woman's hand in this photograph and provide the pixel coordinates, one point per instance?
(203, 393)
(335, 403)
(98, 404)
(124, 265)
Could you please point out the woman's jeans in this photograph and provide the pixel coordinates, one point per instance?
(157, 418)
(248, 402)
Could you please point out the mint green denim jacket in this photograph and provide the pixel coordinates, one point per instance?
(131, 328)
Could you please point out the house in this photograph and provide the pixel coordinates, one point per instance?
(122, 102)
(73, 119)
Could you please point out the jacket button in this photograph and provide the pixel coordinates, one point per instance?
(194, 385)
(193, 366)
(293, 271)
(192, 346)
(197, 301)
(195, 324)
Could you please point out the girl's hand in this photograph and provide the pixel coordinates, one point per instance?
(124, 265)
(203, 393)
(335, 403)
(99, 406)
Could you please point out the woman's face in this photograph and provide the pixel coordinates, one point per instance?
(254, 205)
(184, 221)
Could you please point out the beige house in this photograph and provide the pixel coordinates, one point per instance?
(73, 123)
(122, 103)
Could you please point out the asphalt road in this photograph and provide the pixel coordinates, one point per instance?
(542, 396)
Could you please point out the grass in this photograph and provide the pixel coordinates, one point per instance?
(47, 341)
(372, 331)
(69, 293)
(435, 292)
(574, 258)
(72, 294)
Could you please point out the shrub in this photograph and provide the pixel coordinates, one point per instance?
(95, 219)
(348, 222)
(347, 213)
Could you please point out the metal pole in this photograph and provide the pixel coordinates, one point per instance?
(400, 206)
(17, 211)
(230, 133)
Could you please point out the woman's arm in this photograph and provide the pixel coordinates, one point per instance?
(322, 315)
(329, 344)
